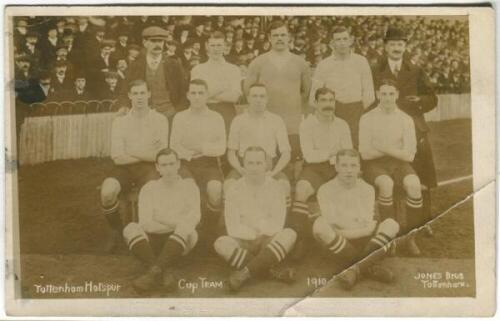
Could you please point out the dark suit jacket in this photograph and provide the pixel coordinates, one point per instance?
(412, 81)
(174, 78)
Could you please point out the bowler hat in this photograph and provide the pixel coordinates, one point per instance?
(394, 33)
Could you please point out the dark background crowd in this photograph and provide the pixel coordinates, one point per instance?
(89, 56)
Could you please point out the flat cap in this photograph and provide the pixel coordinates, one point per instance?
(154, 32)
(393, 33)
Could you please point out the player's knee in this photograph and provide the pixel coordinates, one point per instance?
(412, 186)
(389, 227)
(132, 233)
(385, 185)
(184, 232)
(109, 191)
(322, 231)
(224, 246)
(191, 240)
(303, 190)
(286, 238)
(214, 192)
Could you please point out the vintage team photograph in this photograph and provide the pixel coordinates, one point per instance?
(242, 156)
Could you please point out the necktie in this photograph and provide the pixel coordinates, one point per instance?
(396, 70)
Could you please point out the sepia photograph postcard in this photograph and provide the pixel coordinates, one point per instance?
(250, 160)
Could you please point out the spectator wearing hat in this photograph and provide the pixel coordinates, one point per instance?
(416, 97)
(79, 91)
(102, 64)
(31, 48)
(93, 45)
(164, 75)
(111, 90)
(24, 74)
(41, 90)
(48, 45)
(74, 56)
(133, 52)
(62, 80)
(223, 79)
(20, 32)
(349, 75)
(121, 48)
(238, 48)
(187, 54)
(121, 70)
(83, 35)
(172, 49)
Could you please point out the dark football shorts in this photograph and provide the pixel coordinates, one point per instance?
(202, 170)
(317, 174)
(136, 174)
(390, 166)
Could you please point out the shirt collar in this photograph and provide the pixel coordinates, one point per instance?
(395, 63)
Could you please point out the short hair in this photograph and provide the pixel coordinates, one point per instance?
(199, 82)
(257, 85)
(254, 149)
(166, 152)
(347, 152)
(323, 91)
(388, 82)
(216, 35)
(339, 29)
(136, 83)
(277, 24)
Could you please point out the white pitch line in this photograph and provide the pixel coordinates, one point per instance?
(455, 180)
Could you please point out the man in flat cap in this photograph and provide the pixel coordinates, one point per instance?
(416, 98)
(164, 75)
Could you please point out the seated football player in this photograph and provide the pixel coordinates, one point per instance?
(255, 211)
(169, 211)
(258, 127)
(346, 227)
(135, 139)
(388, 146)
(199, 138)
(322, 134)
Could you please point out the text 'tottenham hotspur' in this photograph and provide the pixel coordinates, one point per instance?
(87, 287)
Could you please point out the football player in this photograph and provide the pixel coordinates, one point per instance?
(347, 229)
(169, 211)
(135, 139)
(388, 145)
(322, 135)
(255, 213)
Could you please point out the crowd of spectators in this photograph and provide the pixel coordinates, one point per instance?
(87, 57)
